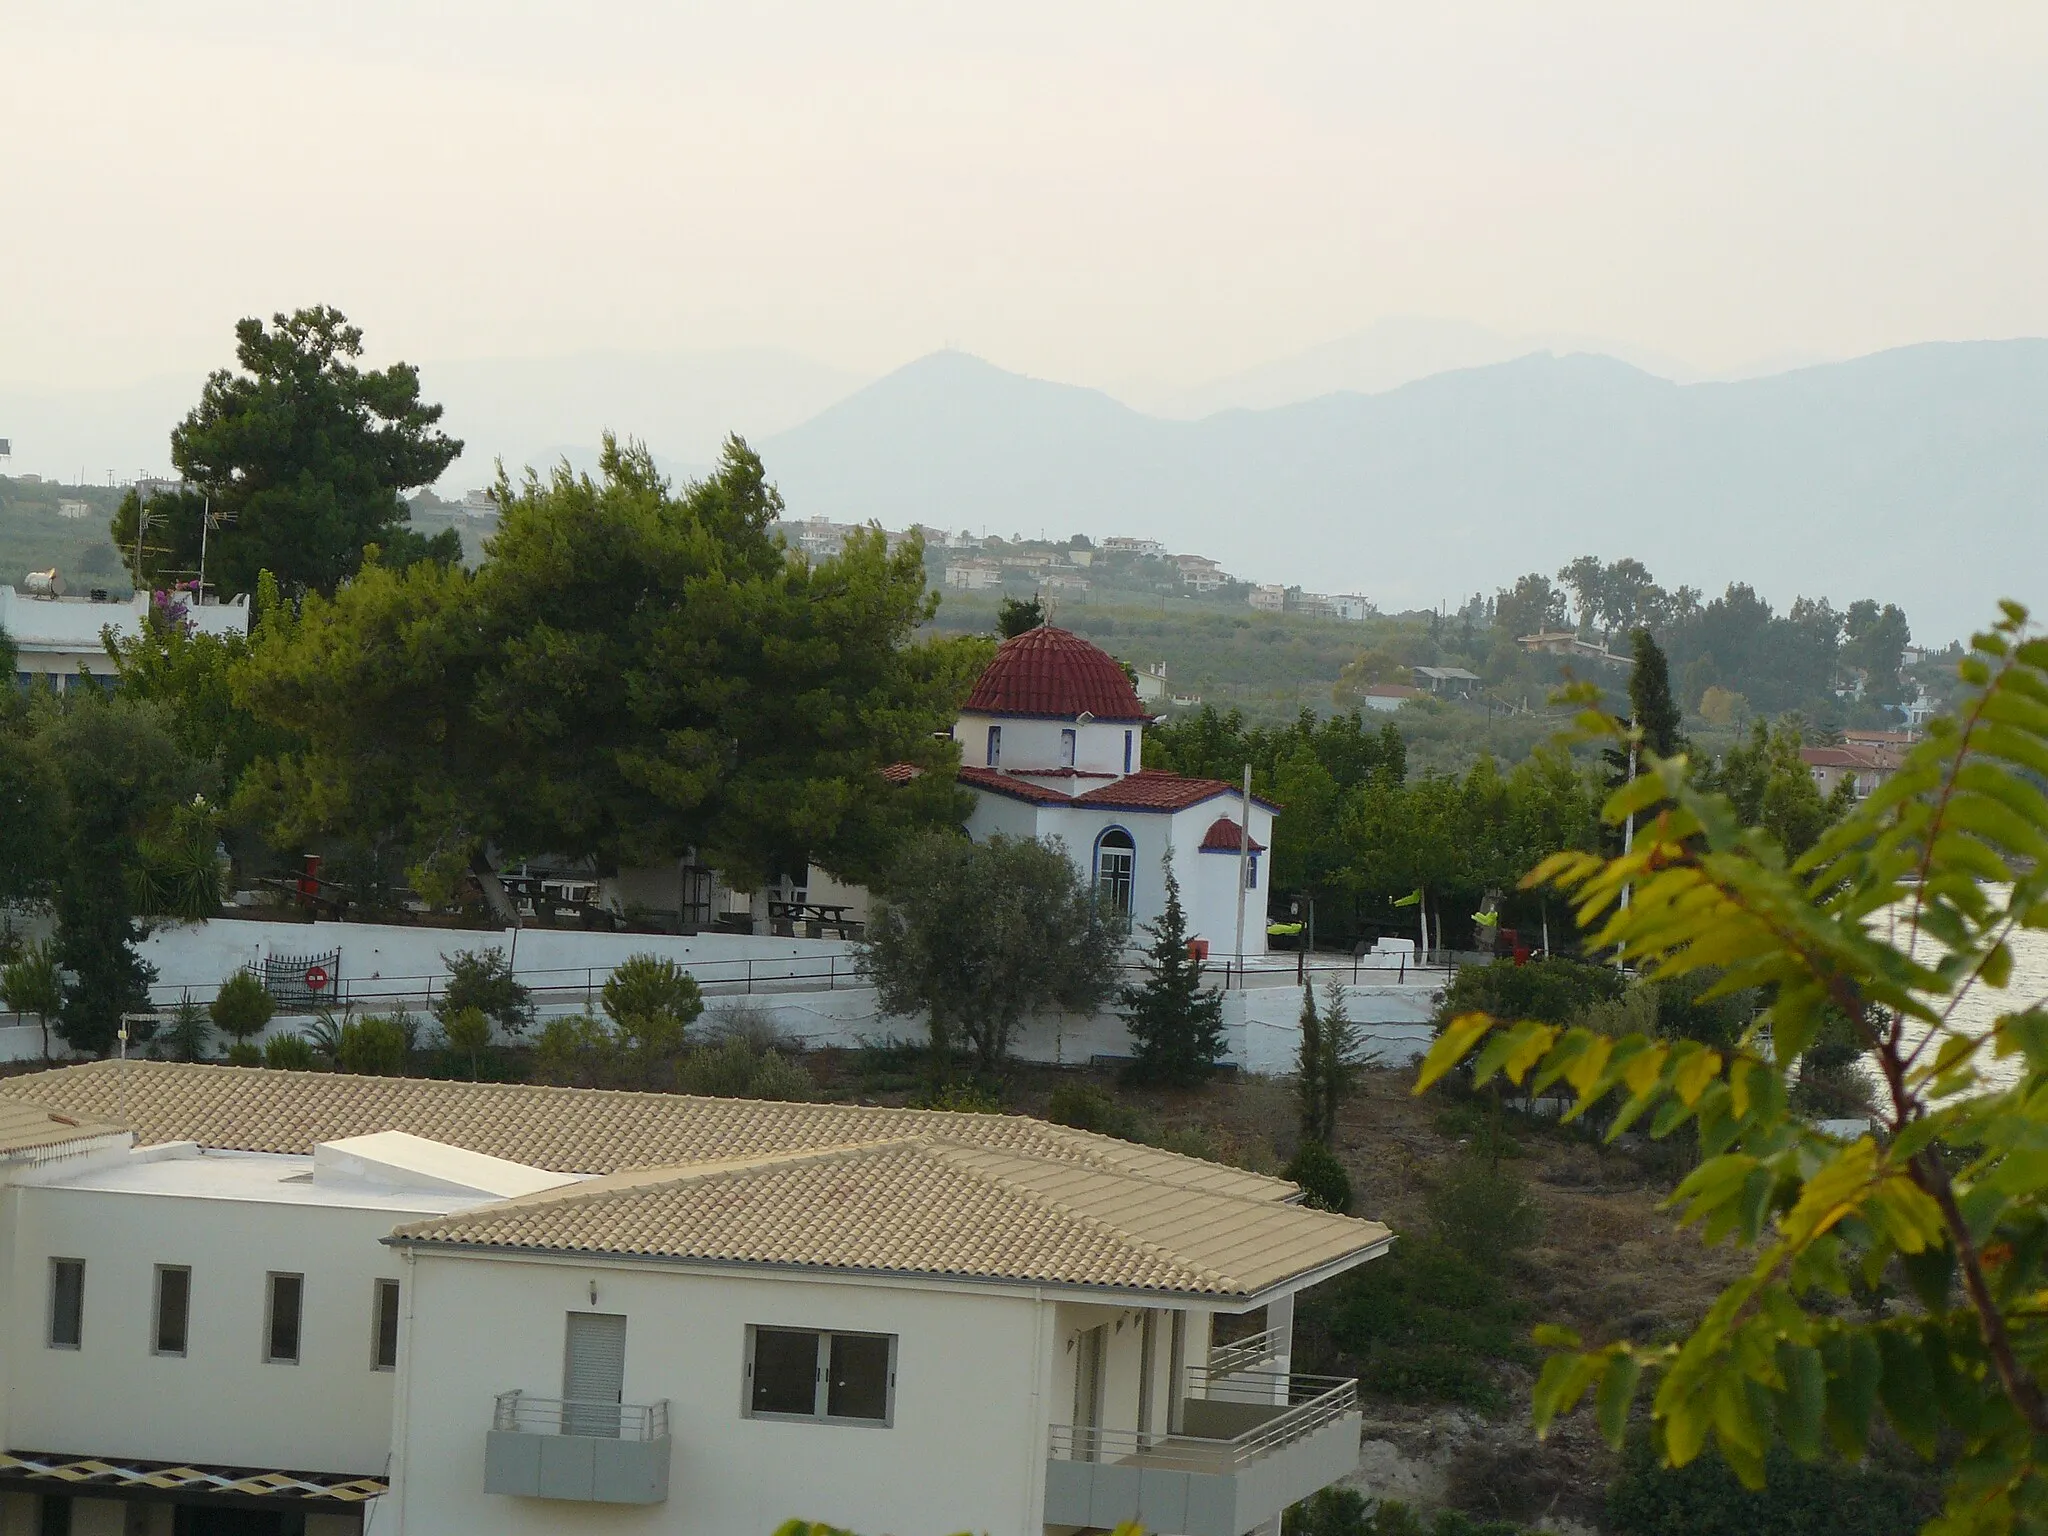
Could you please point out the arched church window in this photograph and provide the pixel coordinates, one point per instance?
(995, 746)
(1116, 856)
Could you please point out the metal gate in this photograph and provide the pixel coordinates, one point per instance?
(291, 979)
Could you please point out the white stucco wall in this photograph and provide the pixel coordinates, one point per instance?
(1034, 743)
(220, 1402)
(379, 960)
(965, 1450)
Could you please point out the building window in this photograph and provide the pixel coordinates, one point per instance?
(802, 1373)
(995, 746)
(1066, 749)
(1115, 857)
(173, 1307)
(1130, 741)
(384, 1332)
(281, 1325)
(1251, 872)
(67, 1303)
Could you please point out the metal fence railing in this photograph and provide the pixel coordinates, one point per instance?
(558, 987)
(1302, 1405)
(516, 1413)
(1242, 1354)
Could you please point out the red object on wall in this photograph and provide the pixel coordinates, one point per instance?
(1198, 949)
(309, 878)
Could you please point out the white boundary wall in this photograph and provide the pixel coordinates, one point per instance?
(807, 987)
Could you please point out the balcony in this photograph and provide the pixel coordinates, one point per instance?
(1249, 1445)
(598, 1453)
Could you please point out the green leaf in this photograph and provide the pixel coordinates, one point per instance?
(1853, 1366)
(1803, 1404)
(1906, 1388)
(1458, 1038)
(1617, 1392)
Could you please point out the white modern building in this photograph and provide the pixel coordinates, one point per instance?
(1052, 742)
(240, 1301)
(62, 637)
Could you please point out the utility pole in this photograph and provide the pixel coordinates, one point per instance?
(1244, 855)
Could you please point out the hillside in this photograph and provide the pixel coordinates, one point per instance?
(1841, 480)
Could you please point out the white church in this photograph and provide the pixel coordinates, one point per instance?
(1052, 743)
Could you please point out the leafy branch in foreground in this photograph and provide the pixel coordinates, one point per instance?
(1899, 919)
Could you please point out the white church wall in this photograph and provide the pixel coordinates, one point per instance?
(1029, 743)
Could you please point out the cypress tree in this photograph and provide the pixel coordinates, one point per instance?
(1176, 1023)
(1650, 701)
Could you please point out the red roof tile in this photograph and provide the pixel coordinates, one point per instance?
(1053, 673)
(901, 773)
(1154, 789)
(1003, 784)
(1222, 837)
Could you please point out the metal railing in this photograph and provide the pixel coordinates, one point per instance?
(516, 1413)
(1242, 1354)
(579, 986)
(1301, 1406)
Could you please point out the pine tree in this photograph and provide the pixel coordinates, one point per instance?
(1327, 1066)
(1650, 700)
(1176, 1023)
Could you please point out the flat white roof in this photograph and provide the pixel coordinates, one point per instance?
(259, 1177)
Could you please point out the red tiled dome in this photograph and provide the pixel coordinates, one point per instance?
(1054, 673)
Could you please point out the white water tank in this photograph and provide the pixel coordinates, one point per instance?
(43, 583)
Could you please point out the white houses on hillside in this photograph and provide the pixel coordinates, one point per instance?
(310, 1303)
(1052, 742)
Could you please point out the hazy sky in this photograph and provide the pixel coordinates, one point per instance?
(1098, 192)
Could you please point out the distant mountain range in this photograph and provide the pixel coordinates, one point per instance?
(1918, 476)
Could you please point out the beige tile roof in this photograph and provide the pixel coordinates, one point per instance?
(567, 1130)
(27, 1127)
(929, 1206)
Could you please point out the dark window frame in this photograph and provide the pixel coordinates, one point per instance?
(270, 1318)
(156, 1314)
(379, 1289)
(822, 1378)
(77, 1318)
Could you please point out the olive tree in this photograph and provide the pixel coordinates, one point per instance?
(976, 936)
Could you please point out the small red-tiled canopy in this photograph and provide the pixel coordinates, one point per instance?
(1055, 674)
(1222, 838)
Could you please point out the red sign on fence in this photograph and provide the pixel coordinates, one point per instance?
(316, 977)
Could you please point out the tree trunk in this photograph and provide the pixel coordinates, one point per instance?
(493, 888)
(758, 905)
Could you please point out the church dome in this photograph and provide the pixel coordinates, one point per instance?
(1053, 673)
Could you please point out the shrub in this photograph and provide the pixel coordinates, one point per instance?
(186, 1037)
(777, 1077)
(1342, 1512)
(244, 1053)
(242, 1007)
(1826, 1498)
(732, 1070)
(647, 986)
(1086, 1107)
(747, 1020)
(1556, 991)
(576, 1051)
(288, 1053)
(483, 980)
(468, 1034)
(1423, 1324)
(719, 1071)
(1482, 1211)
(1325, 1185)
(373, 1046)
(963, 1098)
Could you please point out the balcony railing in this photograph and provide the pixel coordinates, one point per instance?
(1242, 1354)
(520, 1414)
(1275, 1412)
(560, 1448)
